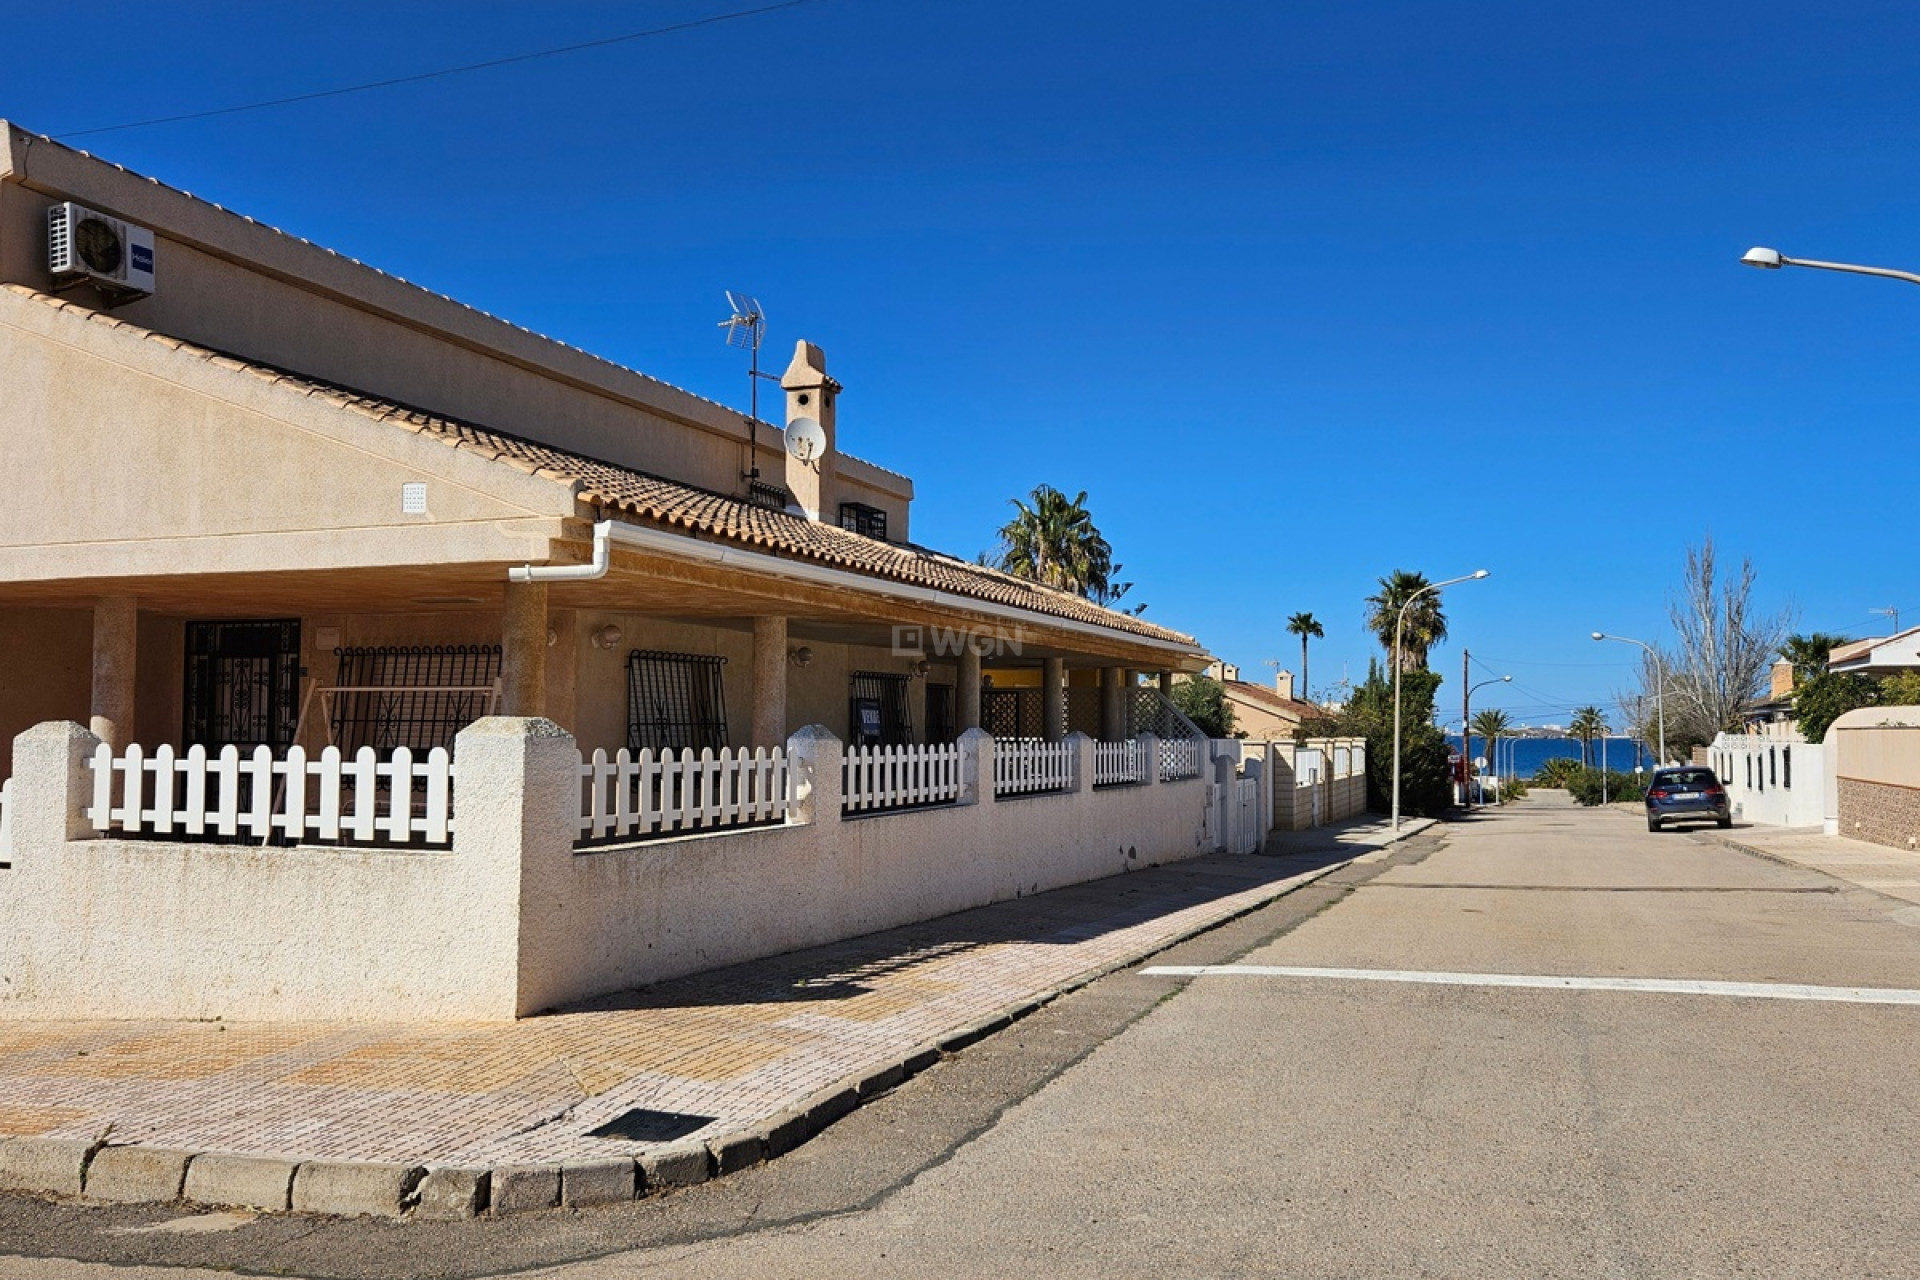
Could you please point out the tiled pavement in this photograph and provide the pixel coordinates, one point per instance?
(703, 1056)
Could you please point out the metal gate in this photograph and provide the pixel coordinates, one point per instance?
(242, 684)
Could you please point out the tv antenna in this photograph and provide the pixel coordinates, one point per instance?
(745, 327)
(1889, 612)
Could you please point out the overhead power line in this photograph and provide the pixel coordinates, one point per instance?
(444, 72)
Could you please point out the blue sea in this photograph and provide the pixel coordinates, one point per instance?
(1622, 754)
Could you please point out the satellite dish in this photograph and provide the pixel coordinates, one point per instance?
(806, 439)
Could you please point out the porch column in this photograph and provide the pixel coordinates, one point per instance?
(966, 695)
(1166, 683)
(769, 682)
(1053, 713)
(1113, 721)
(523, 650)
(116, 630)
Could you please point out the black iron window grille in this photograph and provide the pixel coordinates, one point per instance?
(861, 518)
(242, 685)
(675, 700)
(413, 696)
(878, 713)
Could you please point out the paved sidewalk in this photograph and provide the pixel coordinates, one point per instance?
(1893, 872)
(673, 1082)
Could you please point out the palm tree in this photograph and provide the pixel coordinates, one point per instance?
(1490, 724)
(1305, 625)
(1052, 540)
(1808, 654)
(1588, 724)
(1426, 622)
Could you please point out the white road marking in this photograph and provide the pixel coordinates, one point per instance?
(1551, 982)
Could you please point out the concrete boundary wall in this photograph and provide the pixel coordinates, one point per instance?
(1874, 780)
(1772, 781)
(1309, 788)
(514, 920)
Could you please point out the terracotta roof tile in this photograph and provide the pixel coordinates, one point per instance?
(679, 506)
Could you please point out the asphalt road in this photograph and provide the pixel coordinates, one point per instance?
(1325, 1126)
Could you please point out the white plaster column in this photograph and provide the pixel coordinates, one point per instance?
(1083, 762)
(116, 633)
(976, 767)
(966, 695)
(1150, 753)
(1053, 713)
(769, 682)
(814, 759)
(523, 650)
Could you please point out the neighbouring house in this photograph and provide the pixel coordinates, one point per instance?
(274, 510)
(1878, 655)
(1272, 715)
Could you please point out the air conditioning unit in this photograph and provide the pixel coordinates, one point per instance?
(84, 245)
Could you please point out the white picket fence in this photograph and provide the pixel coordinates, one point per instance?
(1025, 766)
(893, 777)
(660, 792)
(364, 800)
(1119, 763)
(1180, 758)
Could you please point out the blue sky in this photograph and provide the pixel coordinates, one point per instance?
(1300, 294)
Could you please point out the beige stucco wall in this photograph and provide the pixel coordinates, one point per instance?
(46, 671)
(511, 920)
(126, 460)
(1875, 775)
(238, 286)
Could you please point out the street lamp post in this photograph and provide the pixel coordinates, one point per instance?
(1399, 623)
(1466, 731)
(1659, 688)
(1773, 260)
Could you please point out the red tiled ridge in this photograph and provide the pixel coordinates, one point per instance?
(670, 503)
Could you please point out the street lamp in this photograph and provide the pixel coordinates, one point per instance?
(1773, 260)
(1400, 623)
(1466, 730)
(1659, 688)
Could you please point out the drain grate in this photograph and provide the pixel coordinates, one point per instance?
(644, 1125)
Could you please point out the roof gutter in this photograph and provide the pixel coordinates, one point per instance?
(679, 545)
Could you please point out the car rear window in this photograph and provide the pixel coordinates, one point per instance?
(1686, 778)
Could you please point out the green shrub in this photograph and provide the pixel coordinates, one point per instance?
(1556, 772)
(1512, 789)
(1584, 786)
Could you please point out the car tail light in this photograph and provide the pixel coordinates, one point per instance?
(1659, 793)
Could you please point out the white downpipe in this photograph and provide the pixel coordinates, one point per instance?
(595, 568)
(680, 546)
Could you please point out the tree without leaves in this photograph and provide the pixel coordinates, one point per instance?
(1305, 625)
(1723, 649)
(1426, 621)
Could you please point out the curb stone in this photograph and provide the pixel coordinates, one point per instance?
(50, 1166)
(680, 1164)
(524, 1188)
(449, 1194)
(132, 1174)
(736, 1151)
(253, 1182)
(355, 1189)
(588, 1182)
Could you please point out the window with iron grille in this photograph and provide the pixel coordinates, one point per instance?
(861, 518)
(242, 684)
(413, 696)
(878, 711)
(675, 700)
(940, 725)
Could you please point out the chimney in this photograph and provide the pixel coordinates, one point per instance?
(1283, 683)
(811, 394)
